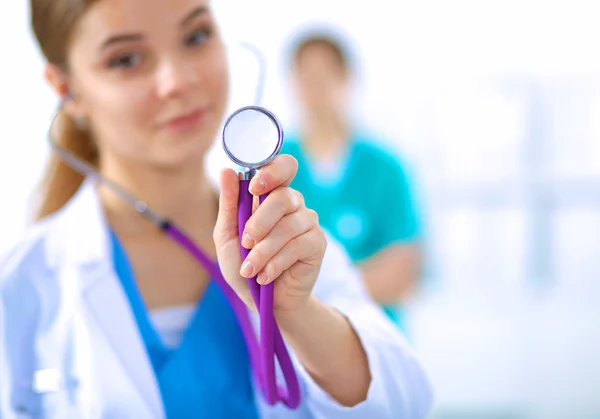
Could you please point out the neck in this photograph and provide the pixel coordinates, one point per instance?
(182, 196)
(325, 135)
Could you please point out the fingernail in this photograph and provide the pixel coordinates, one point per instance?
(262, 278)
(257, 185)
(247, 269)
(247, 241)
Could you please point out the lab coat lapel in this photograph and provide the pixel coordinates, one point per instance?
(108, 305)
(84, 227)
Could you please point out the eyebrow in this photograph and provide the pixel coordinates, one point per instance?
(131, 37)
(199, 11)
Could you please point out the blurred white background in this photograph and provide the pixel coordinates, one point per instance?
(497, 106)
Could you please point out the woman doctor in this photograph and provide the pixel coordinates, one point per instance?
(102, 316)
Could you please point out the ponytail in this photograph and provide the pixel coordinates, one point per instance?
(60, 182)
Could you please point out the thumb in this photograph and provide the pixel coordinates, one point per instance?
(226, 235)
(226, 228)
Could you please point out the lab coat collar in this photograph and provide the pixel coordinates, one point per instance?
(80, 241)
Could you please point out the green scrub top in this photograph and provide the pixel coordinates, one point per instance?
(364, 200)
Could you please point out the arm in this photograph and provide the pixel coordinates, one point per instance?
(343, 330)
(288, 246)
(391, 275)
(392, 272)
(4, 382)
(342, 370)
(19, 306)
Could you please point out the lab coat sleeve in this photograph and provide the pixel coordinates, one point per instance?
(6, 390)
(19, 308)
(399, 388)
(6, 411)
(4, 397)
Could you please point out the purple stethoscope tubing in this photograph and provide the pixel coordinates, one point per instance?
(271, 341)
(262, 356)
(261, 353)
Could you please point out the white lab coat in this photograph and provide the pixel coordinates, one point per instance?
(68, 332)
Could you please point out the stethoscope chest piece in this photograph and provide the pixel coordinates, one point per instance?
(252, 137)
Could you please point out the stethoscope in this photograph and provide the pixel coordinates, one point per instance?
(252, 137)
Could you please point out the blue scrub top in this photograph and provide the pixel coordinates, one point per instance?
(208, 375)
(367, 204)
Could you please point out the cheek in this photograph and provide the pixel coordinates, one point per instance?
(121, 117)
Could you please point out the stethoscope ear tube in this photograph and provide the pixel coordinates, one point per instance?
(89, 171)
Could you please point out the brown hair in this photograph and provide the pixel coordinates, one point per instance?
(53, 22)
(325, 37)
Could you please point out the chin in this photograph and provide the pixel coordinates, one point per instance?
(182, 155)
(184, 161)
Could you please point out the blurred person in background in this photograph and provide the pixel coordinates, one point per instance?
(360, 191)
(103, 315)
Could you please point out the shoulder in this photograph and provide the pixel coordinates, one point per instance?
(26, 261)
(27, 293)
(390, 162)
(379, 152)
(71, 235)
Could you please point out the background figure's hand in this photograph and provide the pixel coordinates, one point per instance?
(287, 245)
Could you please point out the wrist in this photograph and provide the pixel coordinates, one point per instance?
(288, 319)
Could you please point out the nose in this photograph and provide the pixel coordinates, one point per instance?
(175, 76)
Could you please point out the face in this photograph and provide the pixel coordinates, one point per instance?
(320, 80)
(150, 77)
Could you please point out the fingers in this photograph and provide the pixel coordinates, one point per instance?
(287, 229)
(302, 248)
(279, 172)
(279, 203)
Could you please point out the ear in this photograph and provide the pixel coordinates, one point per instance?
(57, 79)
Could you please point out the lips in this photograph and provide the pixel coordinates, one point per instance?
(185, 121)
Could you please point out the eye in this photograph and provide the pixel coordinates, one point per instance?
(198, 37)
(125, 61)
